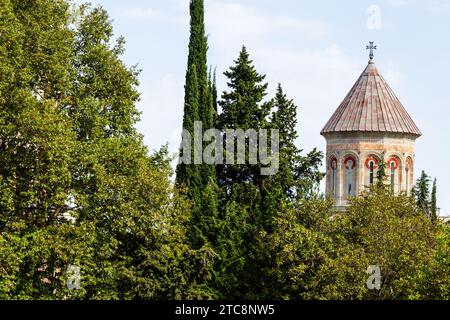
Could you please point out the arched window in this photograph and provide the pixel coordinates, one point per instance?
(350, 164)
(371, 172)
(407, 178)
(349, 177)
(408, 169)
(333, 176)
(371, 165)
(392, 176)
(393, 165)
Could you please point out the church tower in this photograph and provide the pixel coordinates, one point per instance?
(369, 125)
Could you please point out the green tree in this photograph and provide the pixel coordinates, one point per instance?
(199, 106)
(189, 174)
(198, 48)
(421, 193)
(381, 223)
(198, 99)
(255, 199)
(323, 255)
(433, 204)
(433, 281)
(139, 220)
(310, 261)
(214, 95)
(244, 196)
(35, 136)
(285, 120)
(103, 97)
(297, 175)
(77, 186)
(243, 108)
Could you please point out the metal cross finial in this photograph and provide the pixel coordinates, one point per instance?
(371, 47)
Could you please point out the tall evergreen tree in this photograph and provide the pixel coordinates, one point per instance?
(198, 43)
(208, 117)
(421, 193)
(254, 199)
(434, 213)
(242, 214)
(196, 82)
(214, 91)
(297, 174)
(198, 107)
(189, 174)
(285, 120)
(243, 108)
(197, 176)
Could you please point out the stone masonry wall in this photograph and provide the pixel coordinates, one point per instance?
(351, 154)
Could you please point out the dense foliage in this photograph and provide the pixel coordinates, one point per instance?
(80, 191)
(425, 196)
(77, 186)
(323, 255)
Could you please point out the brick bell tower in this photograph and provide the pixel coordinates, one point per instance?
(369, 125)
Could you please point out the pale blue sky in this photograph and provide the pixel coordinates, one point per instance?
(316, 49)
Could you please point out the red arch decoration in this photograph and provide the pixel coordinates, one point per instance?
(395, 160)
(409, 162)
(347, 159)
(333, 163)
(375, 162)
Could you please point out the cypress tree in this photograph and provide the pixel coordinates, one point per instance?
(198, 47)
(189, 174)
(208, 118)
(214, 92)
(434, 201)
(198, 103)
(198, 44)
(199, 106)
(285, 120)
(421, 193)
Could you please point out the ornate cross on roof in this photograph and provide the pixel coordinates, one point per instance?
(371, 47)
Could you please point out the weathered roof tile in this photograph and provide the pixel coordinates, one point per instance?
(371, 106)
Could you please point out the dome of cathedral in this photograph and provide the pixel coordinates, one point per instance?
(371, 106)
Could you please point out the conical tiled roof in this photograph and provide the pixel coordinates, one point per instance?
(371, 106)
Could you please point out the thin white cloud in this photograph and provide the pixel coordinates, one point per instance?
(162, 105)
(393, 75)
(400, 3)
(143, 14)
(316, 79)
(227, 19)
(437, 6)
(431, 6)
